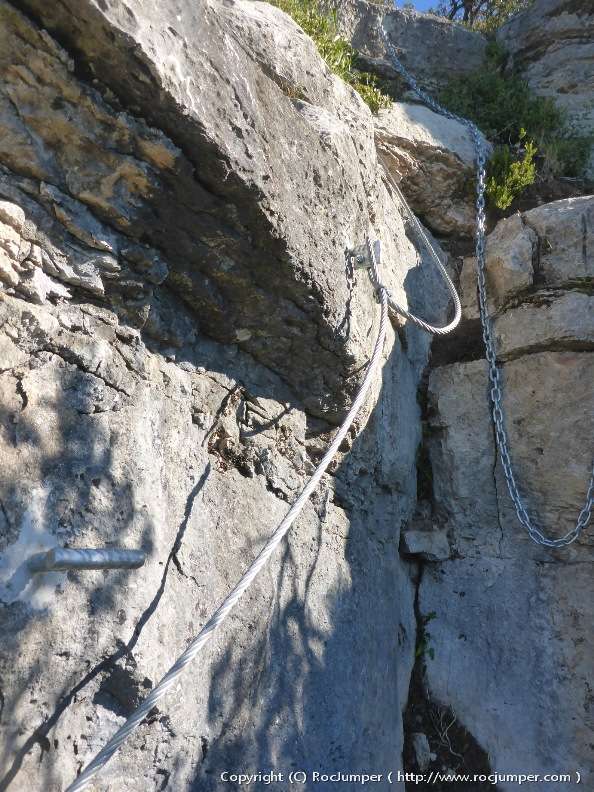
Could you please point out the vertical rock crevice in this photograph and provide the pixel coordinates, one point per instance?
(177, 307)
(434, 739)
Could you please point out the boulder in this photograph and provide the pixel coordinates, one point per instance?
(431, 545)
(432, 158)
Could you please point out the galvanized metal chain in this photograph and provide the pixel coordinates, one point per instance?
(533, 530)
(171, 677)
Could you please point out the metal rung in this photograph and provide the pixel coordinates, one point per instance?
(62, 559)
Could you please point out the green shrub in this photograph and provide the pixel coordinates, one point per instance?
(340, 57)
(501, 105)
(366, 85)
(509, 176)
(566, 156)
(520, 124)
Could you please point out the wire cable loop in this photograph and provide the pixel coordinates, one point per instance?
(395, 306)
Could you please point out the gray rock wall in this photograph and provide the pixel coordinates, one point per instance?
(552, 45)
(424, 41)
(180, 332)
(510, 631)
(432, 158)
(194, 459)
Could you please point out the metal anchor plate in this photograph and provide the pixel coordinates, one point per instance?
(360, 257)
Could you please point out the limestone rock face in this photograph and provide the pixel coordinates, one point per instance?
(531, 253)
(180, 329)
(424, 41)
(507, 629)
(193, 459)
(432, 158)
(237, 190)
(428, 545)
(552, 43)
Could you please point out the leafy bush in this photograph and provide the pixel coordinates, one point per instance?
(366, 85)
(340, 57)
(508, 176)
(520, 124)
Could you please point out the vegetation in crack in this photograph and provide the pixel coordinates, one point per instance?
(321, 25)
(424, 646)
(510, 173)
(532, 136)
(434, 738)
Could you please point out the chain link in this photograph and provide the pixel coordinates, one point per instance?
(494, 374)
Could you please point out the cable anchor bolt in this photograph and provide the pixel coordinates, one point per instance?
(61, 559)
(360, 257)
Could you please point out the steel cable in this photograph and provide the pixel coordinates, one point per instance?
(399, 309)
(215, 621)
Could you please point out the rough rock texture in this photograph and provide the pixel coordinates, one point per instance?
(424, 41)
(231, 179)
(431, 545)
(194, 460)
(539, 258)
(179, 330)
(432, 158)
(552, 44)
(512, 622)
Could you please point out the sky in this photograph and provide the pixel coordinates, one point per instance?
(420, 5)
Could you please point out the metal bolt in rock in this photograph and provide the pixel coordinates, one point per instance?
(61, 559)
